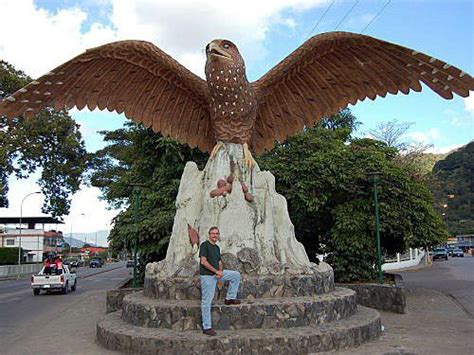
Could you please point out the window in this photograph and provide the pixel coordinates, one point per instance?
(10, 241)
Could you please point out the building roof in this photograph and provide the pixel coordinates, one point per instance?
(30, 220)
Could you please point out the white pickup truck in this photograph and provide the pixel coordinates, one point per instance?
(63, 280)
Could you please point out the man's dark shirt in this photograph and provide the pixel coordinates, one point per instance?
(212, 254)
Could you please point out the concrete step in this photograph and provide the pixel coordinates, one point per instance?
(251, 287)
(266, 313)
(115, 334)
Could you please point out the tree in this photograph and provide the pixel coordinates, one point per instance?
(323, 173)
(51, 143)
(392, 134)
(412, 155)
(138, 155)
(325, 177)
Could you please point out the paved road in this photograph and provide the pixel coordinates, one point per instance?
(435, 323)
(56, 323)
(454, 277)
(440, 300)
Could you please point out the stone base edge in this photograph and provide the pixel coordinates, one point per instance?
(250, 287)
(114, 334)
(389, 298)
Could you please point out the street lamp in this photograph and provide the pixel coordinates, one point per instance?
(70, 234)
(19, 240)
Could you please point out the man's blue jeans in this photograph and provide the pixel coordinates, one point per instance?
(208, 288)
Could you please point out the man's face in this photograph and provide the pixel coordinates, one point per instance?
(214, 235)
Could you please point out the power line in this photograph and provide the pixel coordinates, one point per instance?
(374, 18)
(321, 18)
(347, 14)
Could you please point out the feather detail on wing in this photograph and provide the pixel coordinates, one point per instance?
(133, 77)
(331, 70)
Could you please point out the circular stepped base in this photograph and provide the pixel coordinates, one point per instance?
(266, 313)
(113, 333)
(251, 287)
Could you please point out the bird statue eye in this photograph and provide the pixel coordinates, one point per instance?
(226, 46)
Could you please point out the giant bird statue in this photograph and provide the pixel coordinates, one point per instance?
(322, 76)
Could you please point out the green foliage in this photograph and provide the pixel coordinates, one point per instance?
(136, 155)
(8, 256)
(326, 179)
(51, 143)
(324, 175)
(452, 185)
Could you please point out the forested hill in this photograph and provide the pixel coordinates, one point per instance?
(453, 188)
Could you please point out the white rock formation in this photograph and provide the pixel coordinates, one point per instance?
(263, 225)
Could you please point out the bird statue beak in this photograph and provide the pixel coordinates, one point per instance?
(216, 51)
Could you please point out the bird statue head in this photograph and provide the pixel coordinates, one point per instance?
(223, 55)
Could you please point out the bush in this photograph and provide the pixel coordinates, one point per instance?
(8, 256)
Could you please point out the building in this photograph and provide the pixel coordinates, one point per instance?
(35, 242)
(465, 242)
(93, 250)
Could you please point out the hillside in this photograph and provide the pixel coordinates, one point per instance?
(78, 239)
(452, 183)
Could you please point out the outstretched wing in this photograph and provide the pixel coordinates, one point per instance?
(331, 70)
(134, 77)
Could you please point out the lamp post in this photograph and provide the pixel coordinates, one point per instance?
(375, 179)
(70, 234)
(19, 239)
(446, 213)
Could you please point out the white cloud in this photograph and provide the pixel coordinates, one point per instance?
(86, 201)
(43, 39)
(469, 103)
(463, 118)
(180, 27)
(424, 137)
(443, 150)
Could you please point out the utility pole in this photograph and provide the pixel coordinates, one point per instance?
(375, 179)
(19, 241)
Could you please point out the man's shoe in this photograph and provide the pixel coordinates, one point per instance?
(209, 331)
(229, 302)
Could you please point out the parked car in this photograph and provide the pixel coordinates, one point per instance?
(73, 262)
(440, 253)
(96, 262)
(130, 263)
(458, 252)
(62, 280)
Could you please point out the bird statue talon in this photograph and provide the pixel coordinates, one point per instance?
(249, 162)
(216, 148)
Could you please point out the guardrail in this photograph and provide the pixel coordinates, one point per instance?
(409, 259)
(12, 270)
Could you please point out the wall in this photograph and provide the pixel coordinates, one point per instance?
(12, 270)
(412, 258)
(389, 298)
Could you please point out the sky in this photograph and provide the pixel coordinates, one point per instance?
(39, 35)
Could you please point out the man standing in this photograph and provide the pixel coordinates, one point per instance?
(211, 271)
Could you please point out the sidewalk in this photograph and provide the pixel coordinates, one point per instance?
(434, 324)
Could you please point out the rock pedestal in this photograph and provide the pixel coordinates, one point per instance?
(257, 236)
(288, 303)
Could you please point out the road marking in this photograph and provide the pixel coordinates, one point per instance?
(11, 300)
(9, 295)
